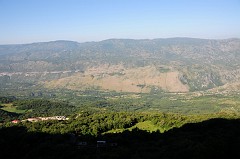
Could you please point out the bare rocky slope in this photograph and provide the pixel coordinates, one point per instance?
(171, 65)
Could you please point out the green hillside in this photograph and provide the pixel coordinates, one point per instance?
(199, 136)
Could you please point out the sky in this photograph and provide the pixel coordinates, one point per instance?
(27, 21)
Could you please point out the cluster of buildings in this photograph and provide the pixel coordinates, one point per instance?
(41, 119)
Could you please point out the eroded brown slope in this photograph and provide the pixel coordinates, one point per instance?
(118, 78)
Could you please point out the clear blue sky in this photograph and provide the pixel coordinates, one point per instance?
(25, 21)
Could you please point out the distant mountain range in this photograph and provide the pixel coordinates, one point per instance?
(171, 65)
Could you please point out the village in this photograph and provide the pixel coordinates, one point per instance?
(37, 119)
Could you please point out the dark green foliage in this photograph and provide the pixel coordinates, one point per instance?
(41, 107)
(8, 99)
(7, 116)
(87, 124)
(95, 124)
(157, 101)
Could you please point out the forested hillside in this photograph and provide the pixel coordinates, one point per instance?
(125, 135)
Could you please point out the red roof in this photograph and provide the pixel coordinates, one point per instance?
(15, 121)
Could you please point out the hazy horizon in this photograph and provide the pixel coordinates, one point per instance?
(114, 39)
(29, 21)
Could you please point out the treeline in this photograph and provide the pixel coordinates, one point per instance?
(96, 124)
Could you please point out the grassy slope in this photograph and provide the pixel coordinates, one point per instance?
(148, 126)
(10, 108)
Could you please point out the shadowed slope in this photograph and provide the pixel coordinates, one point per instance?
(215, 138)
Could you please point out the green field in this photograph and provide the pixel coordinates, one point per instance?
(147, 126)
(10, 108)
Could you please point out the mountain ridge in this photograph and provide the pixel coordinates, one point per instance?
(169, 38)
(200, 64)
